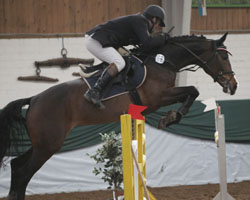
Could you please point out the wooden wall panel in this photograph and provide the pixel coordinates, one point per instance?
(221, 20)
(62, 16)
(2, 16)
(78, 16)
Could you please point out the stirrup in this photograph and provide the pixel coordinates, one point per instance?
(100, 105)
(93, 100)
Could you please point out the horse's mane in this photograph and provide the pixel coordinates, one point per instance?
(187, 38)
(176, 39)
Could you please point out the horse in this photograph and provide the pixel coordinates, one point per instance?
(54, 112)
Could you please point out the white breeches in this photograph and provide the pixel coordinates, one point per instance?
(106, 54)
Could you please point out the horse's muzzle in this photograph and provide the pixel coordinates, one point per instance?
(230, 86)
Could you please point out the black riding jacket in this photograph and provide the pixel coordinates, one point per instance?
(126, 30)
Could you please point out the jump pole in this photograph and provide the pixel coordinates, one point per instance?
(134, 159)
(221, 148)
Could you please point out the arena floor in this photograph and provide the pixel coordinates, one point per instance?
(240, 191)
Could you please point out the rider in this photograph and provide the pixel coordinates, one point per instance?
(103, 40)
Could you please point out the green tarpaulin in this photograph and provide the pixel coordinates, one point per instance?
(201, 124)
(195, 124)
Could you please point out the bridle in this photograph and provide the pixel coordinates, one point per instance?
(217, 78)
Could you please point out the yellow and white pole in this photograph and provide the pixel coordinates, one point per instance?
(134, 159)
(128, 167)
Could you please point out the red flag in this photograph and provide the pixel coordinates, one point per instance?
(135, 111)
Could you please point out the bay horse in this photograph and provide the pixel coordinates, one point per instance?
(54, 112)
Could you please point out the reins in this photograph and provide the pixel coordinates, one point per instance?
(192, 68)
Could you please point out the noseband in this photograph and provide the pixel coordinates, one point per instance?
(221, 74)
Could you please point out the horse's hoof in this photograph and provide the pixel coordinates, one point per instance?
(12, 196)
(172, 117)
(162, 123)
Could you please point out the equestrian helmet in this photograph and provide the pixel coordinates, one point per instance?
(155, 11)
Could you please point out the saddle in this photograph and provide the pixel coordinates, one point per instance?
(130, 78)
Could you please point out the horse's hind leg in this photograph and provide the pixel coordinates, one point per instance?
(16, 164)
(24, 173)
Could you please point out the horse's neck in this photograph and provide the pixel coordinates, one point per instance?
(184, 54)
(180, 53)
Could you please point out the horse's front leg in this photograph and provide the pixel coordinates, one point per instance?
(185, 95)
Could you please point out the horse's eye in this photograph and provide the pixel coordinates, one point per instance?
(224, 56)
(222, 78)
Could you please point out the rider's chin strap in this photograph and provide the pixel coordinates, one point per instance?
(153, 24)
(152, 27)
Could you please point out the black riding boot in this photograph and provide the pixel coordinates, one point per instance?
(94, 95)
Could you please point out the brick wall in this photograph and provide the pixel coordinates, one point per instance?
(17, 58)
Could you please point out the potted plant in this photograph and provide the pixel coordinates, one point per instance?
(109, 159)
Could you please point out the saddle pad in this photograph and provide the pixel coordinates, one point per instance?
(136, 78)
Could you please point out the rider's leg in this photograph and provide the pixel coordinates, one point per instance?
(109, 55)
(95, 94)
(106, 54)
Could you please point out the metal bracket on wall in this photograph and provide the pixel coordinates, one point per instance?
(63, 63)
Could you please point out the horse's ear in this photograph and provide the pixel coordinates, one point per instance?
(220, 41)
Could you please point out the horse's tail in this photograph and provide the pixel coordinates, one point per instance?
(11, 120)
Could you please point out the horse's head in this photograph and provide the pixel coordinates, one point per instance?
(218, 66)
(211, 55)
